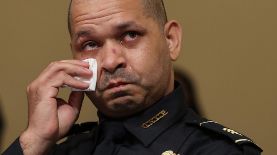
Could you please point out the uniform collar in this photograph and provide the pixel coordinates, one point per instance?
(152, 122)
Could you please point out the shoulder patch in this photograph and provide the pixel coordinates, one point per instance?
(232, 134)
(215, 127)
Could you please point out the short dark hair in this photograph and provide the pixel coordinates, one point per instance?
(156, 10)
(153, 8)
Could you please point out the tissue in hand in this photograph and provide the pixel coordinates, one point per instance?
(92, 81)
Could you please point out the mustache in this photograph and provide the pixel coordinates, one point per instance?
(120, 74)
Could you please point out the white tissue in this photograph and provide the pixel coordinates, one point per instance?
(92, 81)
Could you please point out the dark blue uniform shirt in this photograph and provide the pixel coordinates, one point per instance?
(168, 127)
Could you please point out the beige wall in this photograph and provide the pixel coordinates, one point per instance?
(229, 49)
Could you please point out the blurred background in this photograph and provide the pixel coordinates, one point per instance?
(229, 52)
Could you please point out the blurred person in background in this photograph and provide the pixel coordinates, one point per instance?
(189, 90)
(2, 125)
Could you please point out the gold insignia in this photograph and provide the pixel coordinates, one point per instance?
(169, 152)
(154, 119)
(231, 131)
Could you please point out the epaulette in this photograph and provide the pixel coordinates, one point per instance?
(81, 128)
(248, 146)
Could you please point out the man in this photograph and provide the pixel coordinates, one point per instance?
(140, 109)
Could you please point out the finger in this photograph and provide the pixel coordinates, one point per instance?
(69, 68)
(64, 79)
(76, 100)
(77, 62)
(57, 73)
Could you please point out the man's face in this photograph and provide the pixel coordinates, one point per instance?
(134, 65)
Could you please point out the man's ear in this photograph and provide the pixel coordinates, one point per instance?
(173, 35)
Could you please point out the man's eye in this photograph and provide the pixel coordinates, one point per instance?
(89, 46)
(130, 36)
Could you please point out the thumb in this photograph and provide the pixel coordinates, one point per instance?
(76, 99)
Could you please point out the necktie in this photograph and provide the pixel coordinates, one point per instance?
(111, 134)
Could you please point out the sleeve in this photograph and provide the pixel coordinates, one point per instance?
(14, 149)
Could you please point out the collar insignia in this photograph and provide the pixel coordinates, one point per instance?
(169, 152)
(154, 119)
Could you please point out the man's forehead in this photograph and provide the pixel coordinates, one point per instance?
(79, 7)
(97, 2)
(119, 15)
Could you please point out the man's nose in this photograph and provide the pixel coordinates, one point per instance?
(113, 57)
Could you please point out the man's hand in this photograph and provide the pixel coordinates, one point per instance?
(49, 117)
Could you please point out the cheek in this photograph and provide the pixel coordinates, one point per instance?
(149, 64)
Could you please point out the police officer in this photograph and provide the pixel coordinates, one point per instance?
(141, 109)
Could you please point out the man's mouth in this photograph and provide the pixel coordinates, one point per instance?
(117, 89)
(118, 84)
